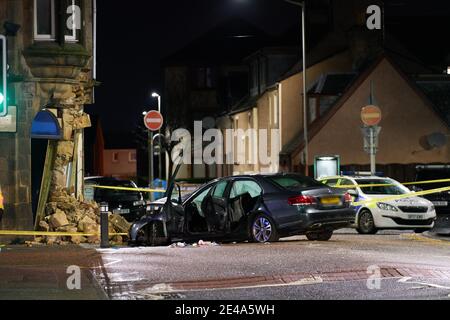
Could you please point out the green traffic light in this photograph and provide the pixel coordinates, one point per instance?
(2, 98)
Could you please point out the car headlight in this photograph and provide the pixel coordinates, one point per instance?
(432, 208)
(386, 207)
(138, 203)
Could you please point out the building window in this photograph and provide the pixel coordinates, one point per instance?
(115, 157)
(312, 109)
(44, 20)
(47, 24)
(204, 78)
(132, 156)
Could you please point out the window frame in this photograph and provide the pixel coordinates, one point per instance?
(244, 181)
(45, 37)
(130, 158)
(114, 158)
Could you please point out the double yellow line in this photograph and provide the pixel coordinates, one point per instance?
(53, 234)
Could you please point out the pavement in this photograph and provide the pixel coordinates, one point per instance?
(40, 273)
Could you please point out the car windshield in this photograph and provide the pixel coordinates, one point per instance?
(115, 194)
(382, 187)
(296, 182)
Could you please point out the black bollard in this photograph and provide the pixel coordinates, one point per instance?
(104, 225)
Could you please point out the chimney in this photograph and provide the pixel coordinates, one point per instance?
(365, 45)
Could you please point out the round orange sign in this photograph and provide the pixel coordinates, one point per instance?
(371, 115)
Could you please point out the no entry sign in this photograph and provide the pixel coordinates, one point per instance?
(153, 120)
(371, 116)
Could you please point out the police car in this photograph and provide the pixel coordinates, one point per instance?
(413, 213)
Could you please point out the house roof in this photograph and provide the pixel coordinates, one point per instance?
(337, 42)
(438, 92)
(433, 94)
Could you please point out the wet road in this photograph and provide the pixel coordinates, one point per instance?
(390, 265)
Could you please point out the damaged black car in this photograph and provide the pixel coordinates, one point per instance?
(257, 208)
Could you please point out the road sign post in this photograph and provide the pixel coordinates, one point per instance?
(153, 121)
(371, 116)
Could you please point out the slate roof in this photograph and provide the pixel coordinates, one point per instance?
(438, 92)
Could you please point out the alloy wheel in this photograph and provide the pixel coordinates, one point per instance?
(262, 229)
(366, 223)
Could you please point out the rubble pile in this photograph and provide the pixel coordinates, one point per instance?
(64, 213)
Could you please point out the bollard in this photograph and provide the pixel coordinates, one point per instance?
(104, 225)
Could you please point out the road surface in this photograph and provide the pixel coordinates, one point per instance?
(390, 265)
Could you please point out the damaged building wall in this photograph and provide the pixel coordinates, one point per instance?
(56, 75)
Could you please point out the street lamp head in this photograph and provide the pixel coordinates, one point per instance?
(155, 95)
(144, 113)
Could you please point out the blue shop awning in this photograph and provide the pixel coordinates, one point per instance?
(46, 126)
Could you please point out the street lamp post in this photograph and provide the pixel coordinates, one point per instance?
(156, 95)
(305, 101)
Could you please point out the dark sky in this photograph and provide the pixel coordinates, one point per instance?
(133, 38)
(134, 35)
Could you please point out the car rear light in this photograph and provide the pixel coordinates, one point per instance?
(348, 197)
(302, 201)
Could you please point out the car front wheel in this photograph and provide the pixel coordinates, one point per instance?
(366, 223)
(263, 230)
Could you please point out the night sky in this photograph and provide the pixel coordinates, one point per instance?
(134, 35)
(133, 39)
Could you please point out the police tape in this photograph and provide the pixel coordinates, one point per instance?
(390, 184)
(402, 196)
(53, 234)
(130, 189)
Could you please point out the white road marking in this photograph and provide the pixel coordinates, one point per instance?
(431, 285)
(114, 261)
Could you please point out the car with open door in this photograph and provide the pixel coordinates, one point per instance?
(259, 208)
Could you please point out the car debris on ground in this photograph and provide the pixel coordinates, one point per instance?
(198, 244)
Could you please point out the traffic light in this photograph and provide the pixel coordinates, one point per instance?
(3, 74)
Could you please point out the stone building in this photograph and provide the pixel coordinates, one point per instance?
(51, 49)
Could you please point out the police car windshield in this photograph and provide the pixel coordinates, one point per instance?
(381, 187)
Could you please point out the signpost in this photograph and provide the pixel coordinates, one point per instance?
(153, 121)
(371, 117)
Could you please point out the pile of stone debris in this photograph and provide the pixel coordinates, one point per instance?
(64, 213)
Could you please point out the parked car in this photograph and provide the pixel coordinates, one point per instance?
(415, 213)
(259, 208)
(441, 200)
(129, 204)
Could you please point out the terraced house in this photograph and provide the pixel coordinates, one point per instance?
(51, 72)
